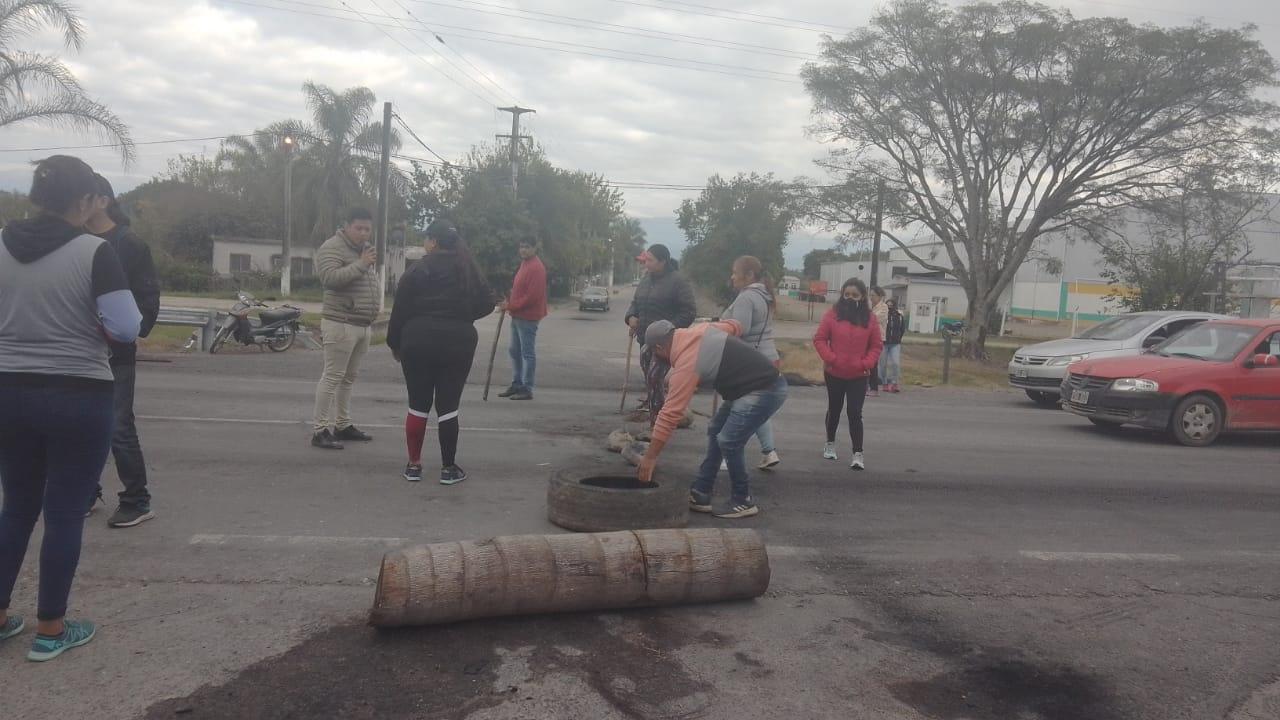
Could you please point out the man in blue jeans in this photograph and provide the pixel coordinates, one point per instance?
(753, 390)
(527, 306)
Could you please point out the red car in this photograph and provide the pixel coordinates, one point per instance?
(1218, 376)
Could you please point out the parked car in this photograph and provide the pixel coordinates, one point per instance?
(1218, 376)
(594, 298)
(1039, 369)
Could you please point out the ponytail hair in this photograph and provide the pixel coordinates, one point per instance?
(752, 265)
(113, 205)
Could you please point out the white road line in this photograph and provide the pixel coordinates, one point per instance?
(793, 551)
(259, 421)
(314, 540)
(1099, 556)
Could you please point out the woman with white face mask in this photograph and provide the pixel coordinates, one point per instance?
(849, 342)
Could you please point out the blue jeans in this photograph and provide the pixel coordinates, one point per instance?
(53, 445)
(524, 361)
(727, 437)
(765, 436)
(890, 364)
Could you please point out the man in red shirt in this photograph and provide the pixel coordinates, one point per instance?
(527, 306)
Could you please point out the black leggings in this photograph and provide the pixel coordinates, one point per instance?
(838, 390)
(436, 356)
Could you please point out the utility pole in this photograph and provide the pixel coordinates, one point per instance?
(515, 137)
(875, 242)
(384, 183)
(289, 145)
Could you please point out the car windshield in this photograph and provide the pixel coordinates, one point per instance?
(1217, 342)
(1122, 327)
(594, 292)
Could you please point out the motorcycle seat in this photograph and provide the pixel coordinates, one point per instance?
(270, 317)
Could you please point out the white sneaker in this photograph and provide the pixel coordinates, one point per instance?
(770, 461)
(829, 452)
(724, 466)
(858, 462)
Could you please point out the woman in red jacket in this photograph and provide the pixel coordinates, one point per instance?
(848, 340)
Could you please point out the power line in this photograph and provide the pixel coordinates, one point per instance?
(113, 145)
(746, 71)
(756, 15)
(631, 30)
(721, 17)
(430, 47)
(414, 135)
(464, 58)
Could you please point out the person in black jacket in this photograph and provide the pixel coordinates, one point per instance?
(663, 294)
(891, 359)
(111, 224)
(433, 337)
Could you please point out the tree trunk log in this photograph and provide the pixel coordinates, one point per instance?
(530, 574)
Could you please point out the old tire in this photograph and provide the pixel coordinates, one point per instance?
(1197, 421)
(596, 501)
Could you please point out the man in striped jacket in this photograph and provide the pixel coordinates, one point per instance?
(753, 390)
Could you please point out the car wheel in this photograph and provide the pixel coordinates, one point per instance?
(1197, 421)
(1044, 399)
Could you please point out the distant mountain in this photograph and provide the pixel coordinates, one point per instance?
(665, 231)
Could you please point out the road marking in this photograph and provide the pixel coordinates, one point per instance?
(259, 421)
(315, 540)
(793, 551)
(1100, 556)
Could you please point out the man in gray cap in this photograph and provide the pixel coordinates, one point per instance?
(753, 390)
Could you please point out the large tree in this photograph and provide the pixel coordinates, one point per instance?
(994, 125)
(746, 215)
(37, 88)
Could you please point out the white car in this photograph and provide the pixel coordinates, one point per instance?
(1039, 369)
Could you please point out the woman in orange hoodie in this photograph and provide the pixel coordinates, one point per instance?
(849, 342)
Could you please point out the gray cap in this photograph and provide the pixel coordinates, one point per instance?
(656, 332)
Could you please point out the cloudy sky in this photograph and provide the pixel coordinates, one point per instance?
(179, 69)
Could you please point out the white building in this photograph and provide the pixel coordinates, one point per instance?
(235, 255)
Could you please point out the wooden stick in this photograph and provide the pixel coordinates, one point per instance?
(493, 353)
(626, 381)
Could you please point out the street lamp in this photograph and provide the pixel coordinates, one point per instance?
(288, 145)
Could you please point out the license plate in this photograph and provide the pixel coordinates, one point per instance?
(1020, 372)
(1080, 397)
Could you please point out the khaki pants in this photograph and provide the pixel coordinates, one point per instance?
(344, 348)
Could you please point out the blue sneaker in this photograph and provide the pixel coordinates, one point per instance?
(12, 626)
(74, 634)
(452, 475)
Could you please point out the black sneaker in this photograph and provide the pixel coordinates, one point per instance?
(352, 433)
(127, 516)
(509, 392)
(739, 509)
(522, 395)
(452, 475)
(413, 473)
(325, 440)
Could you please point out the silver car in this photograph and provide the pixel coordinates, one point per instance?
(1039, 369)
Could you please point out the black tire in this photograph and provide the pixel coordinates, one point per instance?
(219, 338)
(280, 343)
(1044, 399)
(574, 504)
(1105, 425)
(1197, 421)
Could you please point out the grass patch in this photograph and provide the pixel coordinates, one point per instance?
(165, 338)
(921, 365)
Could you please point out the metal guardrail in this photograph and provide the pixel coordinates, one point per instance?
(205, 320)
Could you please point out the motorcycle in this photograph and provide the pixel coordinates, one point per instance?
(954, 328)
(276, 328)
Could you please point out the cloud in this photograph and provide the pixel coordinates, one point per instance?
(195, 68)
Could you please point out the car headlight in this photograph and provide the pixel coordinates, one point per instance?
(1067, 359)
(1135, 385)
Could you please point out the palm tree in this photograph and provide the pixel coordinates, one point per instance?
(341, 153)
(39, 88)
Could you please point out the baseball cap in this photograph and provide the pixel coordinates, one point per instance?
(656, 332)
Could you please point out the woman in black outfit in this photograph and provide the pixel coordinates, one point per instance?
(432, 335)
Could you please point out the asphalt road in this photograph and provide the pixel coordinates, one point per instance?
(997, 562)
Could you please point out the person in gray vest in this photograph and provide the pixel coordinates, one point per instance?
(63, 296)
(755, 309)
(345, 264)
